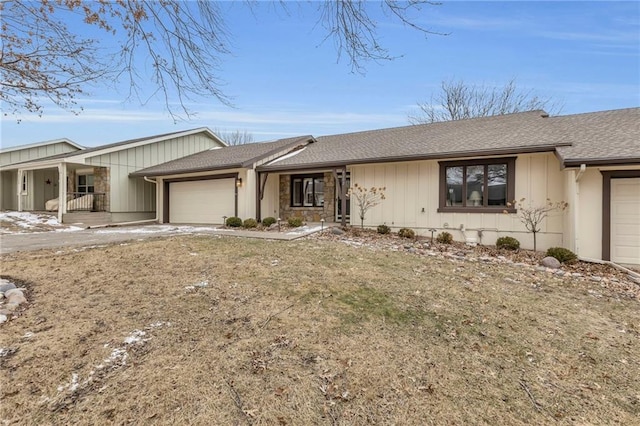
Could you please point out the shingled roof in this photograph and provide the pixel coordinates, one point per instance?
(599, 138)
(225, 158)
(506, 134)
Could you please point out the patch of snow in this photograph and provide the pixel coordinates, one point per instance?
(72, 385)
(134, 337)
(154, 229)
(304, 230)
(30, 220)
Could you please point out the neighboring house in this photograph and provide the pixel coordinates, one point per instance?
(457, 176)
(17, 154)
(97, 179)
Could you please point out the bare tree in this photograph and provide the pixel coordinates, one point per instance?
(177, 45)
(235, 137)
(458, 100)
(366, 198)
(532, 216)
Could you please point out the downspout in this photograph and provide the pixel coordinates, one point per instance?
(576, 210)
(135, 222)
(19, 189)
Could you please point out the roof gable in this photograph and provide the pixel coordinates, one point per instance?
(80, 156)
(43, 144)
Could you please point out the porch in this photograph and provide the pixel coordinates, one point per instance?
(39, 188)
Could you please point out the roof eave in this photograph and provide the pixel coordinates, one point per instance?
(393, 159)
(600, 162)
(185, 171)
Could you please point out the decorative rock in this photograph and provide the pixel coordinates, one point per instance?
(550, 262)
(15, 296)
(337, 231)
(6, 285)
(273, 226)
(3, 318)
(596, 278)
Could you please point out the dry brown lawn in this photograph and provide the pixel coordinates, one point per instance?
(215, 330)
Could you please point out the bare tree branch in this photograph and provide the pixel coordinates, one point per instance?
(458, 100)
(178, 46)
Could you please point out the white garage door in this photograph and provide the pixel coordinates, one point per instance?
(625, 220)
(201, 201)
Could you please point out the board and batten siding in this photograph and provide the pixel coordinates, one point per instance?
(34, 153)
(412, 197)
(135, 194)
(270, 203)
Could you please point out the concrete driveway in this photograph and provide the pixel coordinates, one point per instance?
(10, 243)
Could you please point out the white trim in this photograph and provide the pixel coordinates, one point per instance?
(40, 144)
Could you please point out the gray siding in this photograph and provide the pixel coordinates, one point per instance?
(35, 153)
(135, 194)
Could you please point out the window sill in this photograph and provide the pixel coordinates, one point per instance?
(477, 210)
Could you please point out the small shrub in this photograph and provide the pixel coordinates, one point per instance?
(234, 222)
(294, 222)
(406, 233)
(562, 254)
(444, 238)
(268, 221)
(383, 229)
(250, 223)
(508, 243)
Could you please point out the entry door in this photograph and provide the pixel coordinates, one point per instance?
(338, 203)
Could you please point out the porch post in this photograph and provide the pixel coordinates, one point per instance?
(62, 190)
(343, 196)
(19, 188)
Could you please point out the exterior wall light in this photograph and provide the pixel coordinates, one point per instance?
(239, 182)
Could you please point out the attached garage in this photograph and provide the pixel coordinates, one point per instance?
(625, 220)
(200, 201)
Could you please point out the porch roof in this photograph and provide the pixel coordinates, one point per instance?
(238, 156)
(506, 134)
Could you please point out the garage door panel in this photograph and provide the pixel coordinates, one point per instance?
(201, 201)
(625, 220)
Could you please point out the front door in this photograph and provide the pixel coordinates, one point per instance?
(338, 203)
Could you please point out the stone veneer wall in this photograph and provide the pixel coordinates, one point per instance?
(309, 214)
(102, 183)
(71, 180)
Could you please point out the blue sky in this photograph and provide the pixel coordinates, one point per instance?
(284, 81)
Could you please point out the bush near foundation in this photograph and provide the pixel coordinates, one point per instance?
(406, 233)
(444, 238)
(234, 222)
(508, 243)
(562, 254)
(268, 221)
(294, 222)
(249, 223)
